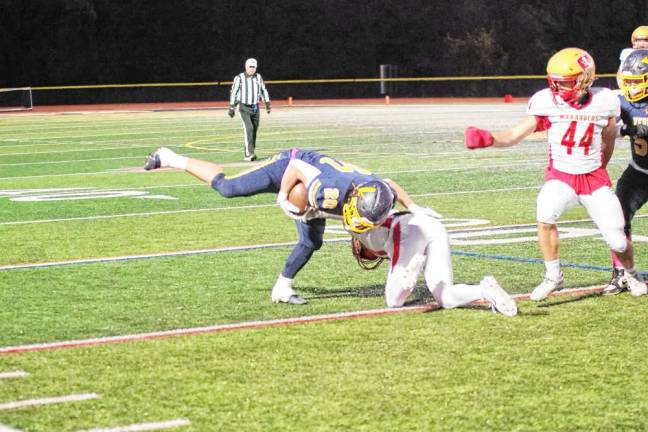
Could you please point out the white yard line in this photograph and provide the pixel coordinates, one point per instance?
(516, 166)
(13, 374)
(47, 401)
(4, 428)
(144, 426)
(248, 325)
(156, 255)
(170, 212)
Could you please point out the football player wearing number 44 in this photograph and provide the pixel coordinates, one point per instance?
(580, 121)
(334, 190)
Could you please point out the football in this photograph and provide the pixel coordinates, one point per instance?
(298, 197)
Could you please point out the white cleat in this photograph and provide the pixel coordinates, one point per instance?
(635, 284)
(547, 286)
(499, 299)
(283, 292)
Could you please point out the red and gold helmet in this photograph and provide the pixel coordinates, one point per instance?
(571, 73)
(639, 34)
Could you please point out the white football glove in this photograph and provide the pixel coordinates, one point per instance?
(417, 209)
(289, 208)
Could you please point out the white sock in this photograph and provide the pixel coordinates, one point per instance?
(169, 158)
(553, 269)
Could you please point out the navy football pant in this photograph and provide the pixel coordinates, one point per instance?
(266, 178)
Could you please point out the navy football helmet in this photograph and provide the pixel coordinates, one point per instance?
(634, 75)
(368, 206)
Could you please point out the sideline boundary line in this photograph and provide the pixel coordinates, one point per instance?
(248, 325)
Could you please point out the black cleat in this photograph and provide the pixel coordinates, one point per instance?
(617, 283)
(152, 161)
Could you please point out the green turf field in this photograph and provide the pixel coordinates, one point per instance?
(95, 247)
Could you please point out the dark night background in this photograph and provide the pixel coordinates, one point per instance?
(79, 42)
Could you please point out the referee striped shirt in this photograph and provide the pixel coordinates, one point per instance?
(248, 89)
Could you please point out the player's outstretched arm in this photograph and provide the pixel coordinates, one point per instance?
(475, 138)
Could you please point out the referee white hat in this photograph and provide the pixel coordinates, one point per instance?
(250, 62)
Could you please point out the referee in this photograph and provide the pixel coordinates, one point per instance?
(247, 90)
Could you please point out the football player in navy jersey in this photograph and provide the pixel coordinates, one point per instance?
(335, 189)
(632, 187)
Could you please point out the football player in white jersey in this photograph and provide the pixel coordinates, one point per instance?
(580, 121)
(639, 40)
(419, 242)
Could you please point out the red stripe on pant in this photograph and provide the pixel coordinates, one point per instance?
(396, 241)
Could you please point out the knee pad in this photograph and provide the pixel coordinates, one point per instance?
(616, 240)
(223, 186)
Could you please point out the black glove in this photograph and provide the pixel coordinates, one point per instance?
(628, 130)
(268, 107)
(231, 112)
(639, 130)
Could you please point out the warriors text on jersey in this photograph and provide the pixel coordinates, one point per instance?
(574, 135)
(639, 113)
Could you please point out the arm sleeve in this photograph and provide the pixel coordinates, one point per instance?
(264, 92)
(236, 86)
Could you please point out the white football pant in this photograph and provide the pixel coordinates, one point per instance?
(424, 244)
(603, 206)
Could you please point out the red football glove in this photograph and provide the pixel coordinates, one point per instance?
(477, 138)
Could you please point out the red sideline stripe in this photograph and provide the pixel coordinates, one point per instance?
(210, 329)
(252, 325)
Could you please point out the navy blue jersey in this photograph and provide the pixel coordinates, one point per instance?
(639, 113)
(329, 189)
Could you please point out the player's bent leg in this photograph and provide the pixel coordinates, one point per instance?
(311, 238)
(605, 210)
(450, 296)
(401, 280)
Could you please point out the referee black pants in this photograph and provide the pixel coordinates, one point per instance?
(251, 119)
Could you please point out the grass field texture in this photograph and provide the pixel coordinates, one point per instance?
(95, 247)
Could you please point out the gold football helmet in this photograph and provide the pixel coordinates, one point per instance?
(571, 72)
(634, 75)
(640, 33)
(368, 206)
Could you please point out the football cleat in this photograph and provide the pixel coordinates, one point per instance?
(635, 284)
(283, 292)
(152, 161)
(617, 283)
(499, 299)
(251, 158)
(547, 286)
(293, 299)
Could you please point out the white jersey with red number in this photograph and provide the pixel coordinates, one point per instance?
(574, 135)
